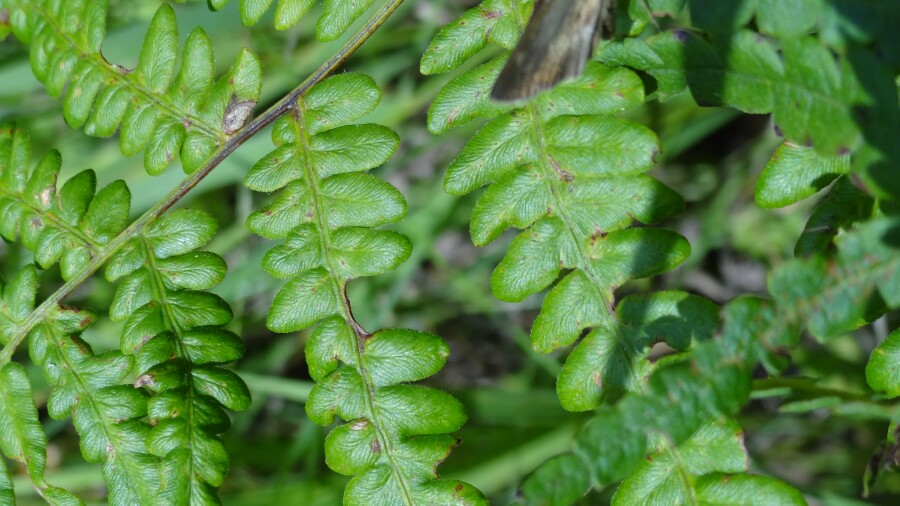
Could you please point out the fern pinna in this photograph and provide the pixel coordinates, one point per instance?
(573, 176)
(336, 17)
(167, 371)
(167, 115)
(152, 412)
(325, 210)
(565, 169)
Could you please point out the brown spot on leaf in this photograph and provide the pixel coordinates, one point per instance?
(236, 114)
(143, 380)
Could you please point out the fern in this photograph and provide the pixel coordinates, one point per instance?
(21, 436)
(573, 177)
(566, 169)
(172, 343)
(573, 200)
(69, 226)
(837, 105)
(394, 434)
(7, 494)
(174, 331)
(163, 114)
(336, 17)
(649, 436)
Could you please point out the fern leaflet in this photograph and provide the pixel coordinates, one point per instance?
(173, 341)
(394, 434)
(574, 178)
(21, 436)
(161, 113)
(67, 226)
(650, 434)
(336, 17)
(174, 331)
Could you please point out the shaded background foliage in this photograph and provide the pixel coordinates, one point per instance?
(713, 157)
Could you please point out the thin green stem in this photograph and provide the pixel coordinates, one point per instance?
(241, 136)
(807, 386)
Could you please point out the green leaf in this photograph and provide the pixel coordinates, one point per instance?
(7, 494)
(196, 271)
(715, 447)
(223, 386)
(67, 226)
(883, 369)
(303, 301)
(839, 294)
(559, 324)
(156, 66)
(795, 173)
(159, 112)
(107, 214)
(359, 252)
(495, 150)
(400, 355)
(746, 489)
(180, 232)
(175, 333)
(19, 294)
(337, 15)
(718, 16)
(394, 435)
(210, 345)
(491, 21)
(844, 205)
(559, 481)
(337, 101)
(106, 413)
(609, 361)
(21, 435)
(812, 96)
(787, 18)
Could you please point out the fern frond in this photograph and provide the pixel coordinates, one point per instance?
(106, 413)
(864, 269)
(717, 447)
(21, 436)
(573, 177)
(159, 112)
(394, 434)
(336, 17)
(67, 225)
(670, 420)
(823, 90)
(174, 331)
